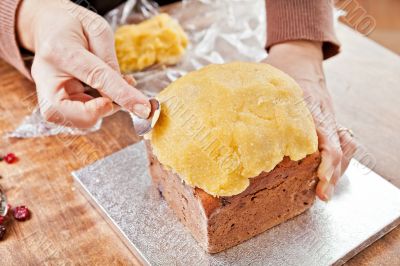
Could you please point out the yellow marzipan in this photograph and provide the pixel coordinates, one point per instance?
(223, 124)
(158, 40)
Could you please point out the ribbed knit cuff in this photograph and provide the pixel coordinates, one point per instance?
(312, 20)
(9, 49)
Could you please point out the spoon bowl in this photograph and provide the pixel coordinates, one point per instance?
(143, 126)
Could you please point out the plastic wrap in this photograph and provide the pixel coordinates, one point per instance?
(219, 31)
(35, 125)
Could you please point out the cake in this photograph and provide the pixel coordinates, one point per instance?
(218, 223)
(255, 164)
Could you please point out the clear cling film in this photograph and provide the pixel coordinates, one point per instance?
(219, 32)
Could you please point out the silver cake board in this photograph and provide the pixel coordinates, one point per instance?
(364, 208)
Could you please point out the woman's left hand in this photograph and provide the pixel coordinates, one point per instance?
(302, 60)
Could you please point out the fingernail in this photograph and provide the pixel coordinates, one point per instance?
(328, 191)
(141, 110)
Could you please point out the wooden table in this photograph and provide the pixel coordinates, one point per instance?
(65, 229)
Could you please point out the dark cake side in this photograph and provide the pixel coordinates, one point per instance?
(218, 223)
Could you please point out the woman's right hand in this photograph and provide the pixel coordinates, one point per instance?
(74, 45)
(302, 60)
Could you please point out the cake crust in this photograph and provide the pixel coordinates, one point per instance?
(218, 223)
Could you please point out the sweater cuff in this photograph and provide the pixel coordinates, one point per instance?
(9, 49)
(312, 20)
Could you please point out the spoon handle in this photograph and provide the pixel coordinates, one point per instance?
(3, 202)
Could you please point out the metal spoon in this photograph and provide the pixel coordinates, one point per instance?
(3, 202)
(143, 126)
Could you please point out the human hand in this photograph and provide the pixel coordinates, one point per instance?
(302, 60)
(74, 45)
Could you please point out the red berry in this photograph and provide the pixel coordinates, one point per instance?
(2, 231)
(21, 213)
(4, 220)
(10, 158)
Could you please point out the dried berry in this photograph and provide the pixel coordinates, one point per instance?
(4, 220)
(10, 158)
(21, 213)
(2, 231)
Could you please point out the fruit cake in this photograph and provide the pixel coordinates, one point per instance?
(234, 152)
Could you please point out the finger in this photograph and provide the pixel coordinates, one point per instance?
(337, 169)
(329, 145)
(130, 79)
(100, 39)
(324, 190)
(93, 71)
(328, 171)
(82, 97)
(57, 106)
(84, 114)
(331, 153)
(349, 148)
(79, 111)
(73, 86)
(337, 174)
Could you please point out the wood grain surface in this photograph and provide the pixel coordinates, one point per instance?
(385, 19)
(65, 230)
